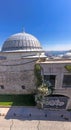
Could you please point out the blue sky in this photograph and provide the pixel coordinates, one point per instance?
(48, 20)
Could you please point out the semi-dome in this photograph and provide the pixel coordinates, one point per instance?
(22, 41)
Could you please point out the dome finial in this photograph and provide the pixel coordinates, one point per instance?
(23, 30)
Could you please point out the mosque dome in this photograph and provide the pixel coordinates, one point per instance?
(21, 42)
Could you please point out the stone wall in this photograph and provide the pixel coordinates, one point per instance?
(17, 75)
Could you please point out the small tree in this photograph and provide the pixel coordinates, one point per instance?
(41, 92)
(37, 72)
(43, 88)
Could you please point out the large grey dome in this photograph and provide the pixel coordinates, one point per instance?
(22, 41)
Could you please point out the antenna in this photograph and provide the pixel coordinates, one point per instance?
(23, 30)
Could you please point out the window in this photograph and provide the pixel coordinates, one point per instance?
(50, 79)
(1, 86)
(67, 81)
(23, 87)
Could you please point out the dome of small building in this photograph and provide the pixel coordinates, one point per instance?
(67, 55)
(21, 42)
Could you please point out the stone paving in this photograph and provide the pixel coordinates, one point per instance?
(29, 118)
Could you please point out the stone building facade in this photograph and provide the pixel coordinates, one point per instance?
(16, 74)
(17, 59)
(55, 71)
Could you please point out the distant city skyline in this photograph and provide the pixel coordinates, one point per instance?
(48, 20)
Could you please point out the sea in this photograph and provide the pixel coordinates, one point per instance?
(55, 53)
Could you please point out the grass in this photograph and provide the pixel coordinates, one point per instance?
(17, 100)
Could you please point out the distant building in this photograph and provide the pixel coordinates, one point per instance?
(17, 59)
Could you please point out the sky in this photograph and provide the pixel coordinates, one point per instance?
(48, 20)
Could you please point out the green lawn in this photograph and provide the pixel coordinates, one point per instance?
(17, 100)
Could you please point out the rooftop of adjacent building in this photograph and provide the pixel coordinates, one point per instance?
(54, 61)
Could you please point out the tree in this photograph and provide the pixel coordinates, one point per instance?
(43, 88)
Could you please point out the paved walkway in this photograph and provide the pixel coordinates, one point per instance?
(27, 118)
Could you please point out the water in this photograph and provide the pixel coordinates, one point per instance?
(55, 53)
